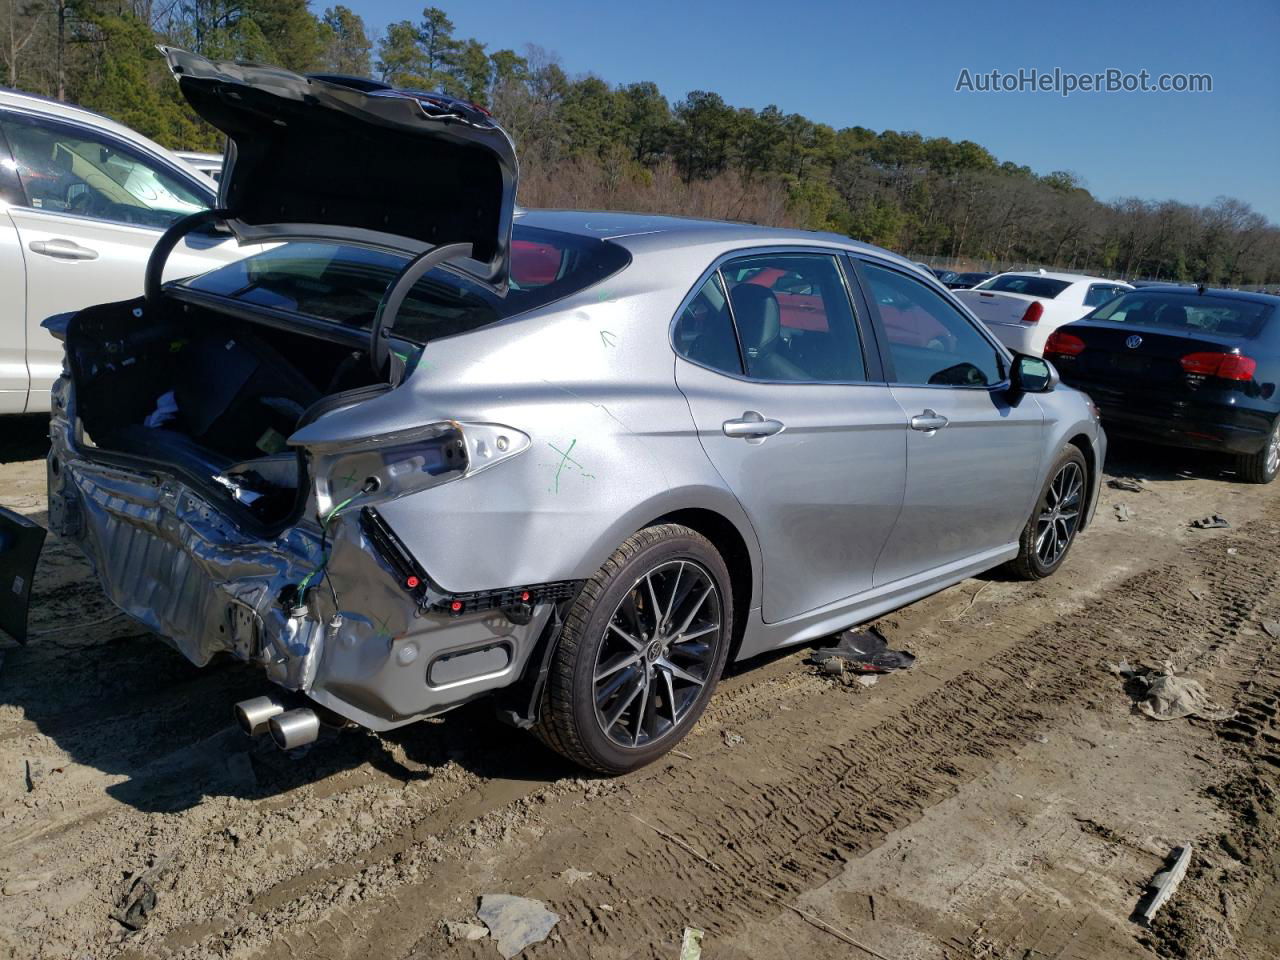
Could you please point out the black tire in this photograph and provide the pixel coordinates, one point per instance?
(1263, 466)
(1034, 561)
(571, 721)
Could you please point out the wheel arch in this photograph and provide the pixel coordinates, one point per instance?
(732, 547)
(1093, 469)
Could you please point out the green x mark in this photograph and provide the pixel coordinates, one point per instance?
(349, 479)
(564, 459)
(383, 629)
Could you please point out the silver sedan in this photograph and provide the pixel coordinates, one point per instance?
(432, 449)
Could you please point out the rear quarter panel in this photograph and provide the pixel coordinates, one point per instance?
(591, 381)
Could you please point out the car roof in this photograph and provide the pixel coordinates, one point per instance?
(1065, 277)
(57, 108)
(642, 232)
(1191, 291)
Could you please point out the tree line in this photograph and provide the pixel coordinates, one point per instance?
(587, 143)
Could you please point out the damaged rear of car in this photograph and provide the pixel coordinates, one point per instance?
(225, 448)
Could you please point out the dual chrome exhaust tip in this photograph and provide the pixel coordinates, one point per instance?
(288, 728)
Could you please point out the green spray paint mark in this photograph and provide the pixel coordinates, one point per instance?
(564, 460)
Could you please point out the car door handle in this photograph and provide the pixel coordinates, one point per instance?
(62, 249)
(751, 425)
(928, 421)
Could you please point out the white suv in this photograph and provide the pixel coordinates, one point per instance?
(82, 202)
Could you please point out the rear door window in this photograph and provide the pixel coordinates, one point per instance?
(704, 331)
(930, 342)
(794, 319)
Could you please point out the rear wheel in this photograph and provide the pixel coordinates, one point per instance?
(1263, 466)
(1052, 528)
(641, 651)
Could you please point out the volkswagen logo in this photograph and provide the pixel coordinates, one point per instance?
(1134, 342)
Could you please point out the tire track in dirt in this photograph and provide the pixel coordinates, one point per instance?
(804, 806)
(1234, 871)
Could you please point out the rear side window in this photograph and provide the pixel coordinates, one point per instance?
(344, 284)
(1044, 287)
(1189, 313)
(930, 341)
(704, 332)
(794, 319)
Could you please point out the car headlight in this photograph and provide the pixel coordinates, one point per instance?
(393, 465)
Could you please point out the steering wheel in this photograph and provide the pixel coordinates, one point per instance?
(84, 203)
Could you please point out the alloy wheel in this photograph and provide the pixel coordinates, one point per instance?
(1273, 452)
(657, 653)
(1060, 514)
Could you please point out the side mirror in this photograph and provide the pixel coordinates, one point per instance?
(1033, 374)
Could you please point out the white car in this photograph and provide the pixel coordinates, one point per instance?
(210, 164)
(1022, 309)
(82, 202)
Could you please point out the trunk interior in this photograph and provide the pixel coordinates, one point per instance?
(210, 396)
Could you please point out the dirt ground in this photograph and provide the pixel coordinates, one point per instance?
(1003, 799)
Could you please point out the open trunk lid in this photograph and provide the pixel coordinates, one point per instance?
(329, 159)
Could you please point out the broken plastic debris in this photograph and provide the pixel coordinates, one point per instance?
(1214, 522)
(691, 944)
(573, 875)
(732, 739)
(864, 651)
(1272, 628)
(1126, 483)
(1164, 883)
(1124, 513)
(515, 922)
(456, 930)
(138, 906)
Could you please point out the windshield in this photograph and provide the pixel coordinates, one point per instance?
(345, 283)
(1221, 316)
(1044, 287)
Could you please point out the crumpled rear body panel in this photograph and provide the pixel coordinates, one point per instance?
(174, 563)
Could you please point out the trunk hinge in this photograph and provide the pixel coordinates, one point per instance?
(164, 246)
(393, 299)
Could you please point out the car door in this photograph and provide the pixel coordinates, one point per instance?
(91, 208)
(14, 379)
(973, 449)
(797, 420)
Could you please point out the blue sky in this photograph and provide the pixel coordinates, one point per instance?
(895, 66)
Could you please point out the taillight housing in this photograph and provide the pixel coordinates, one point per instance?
(1034, 312)
(1226, 366)
(1064, 344)
(389, 466)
